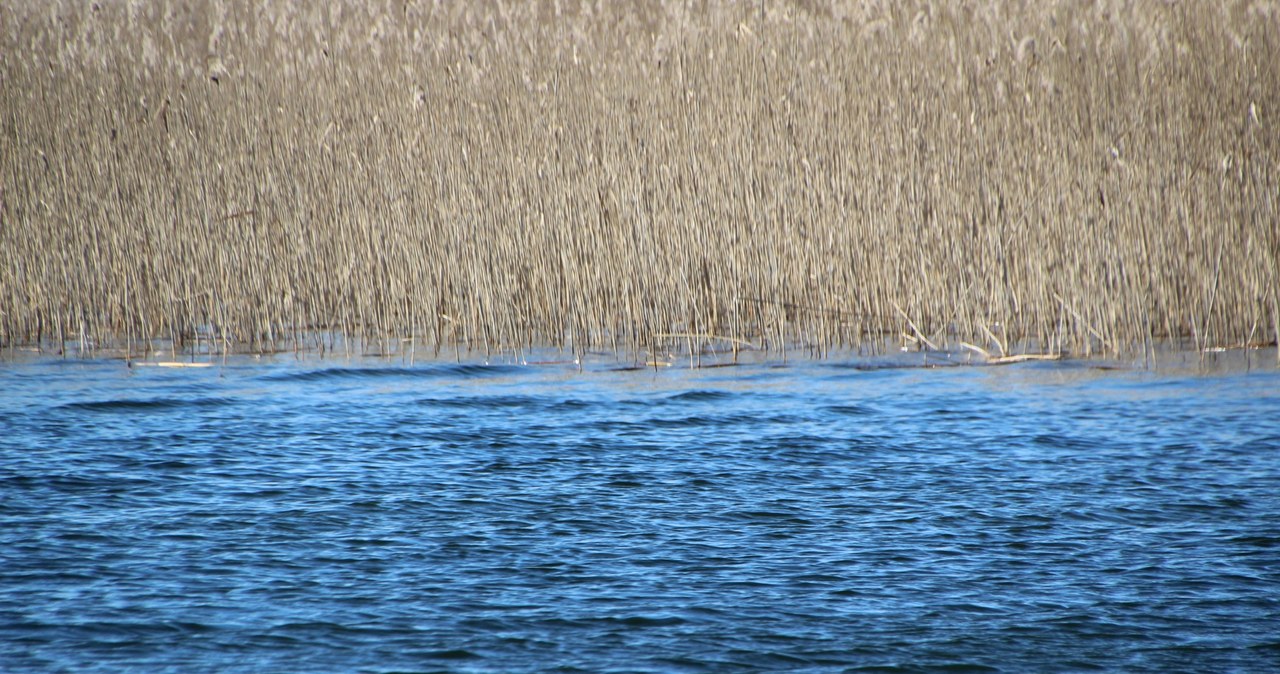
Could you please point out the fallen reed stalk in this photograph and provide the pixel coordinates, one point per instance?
(496, 176)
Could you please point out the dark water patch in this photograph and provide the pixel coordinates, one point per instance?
(642, 621)
(149, 405)
(71, 483)
(499, 402)
(627, 481)
(169, 465)
(700, 396)
(571, 405)
(1269, 443)
(1257, 541)
(1061, 441)
(451, 654)
(768, 517)
(460, 371)
(848, 410)
(716, 366)
(732, 420)
(912, 361)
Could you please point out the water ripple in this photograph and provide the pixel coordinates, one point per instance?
(496, 518)
(144, 406)
(461, 371)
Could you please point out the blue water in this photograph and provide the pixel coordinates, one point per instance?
(316, 516)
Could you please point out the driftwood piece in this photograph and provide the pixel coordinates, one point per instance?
(1008, 360)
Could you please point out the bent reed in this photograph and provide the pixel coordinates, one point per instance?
(1075, 177)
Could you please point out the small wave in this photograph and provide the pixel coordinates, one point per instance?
(570, 404)
(818, 579)
(1268, 443)
(119, 631)
(170, 464)
(912, 361)
(145, 404)
(1256, 541)
(713, 421)
(645, 621)
(428, 372)
(765, 516)
(451, 654)
(1059, 441)
(65, 482)
(482, 402)
(849, 410)
(700, 396)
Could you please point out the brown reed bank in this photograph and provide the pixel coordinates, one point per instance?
(1072, 176)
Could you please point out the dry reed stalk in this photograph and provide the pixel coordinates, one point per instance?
(495, 176)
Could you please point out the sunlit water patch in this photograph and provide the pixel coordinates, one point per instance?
(825, 516)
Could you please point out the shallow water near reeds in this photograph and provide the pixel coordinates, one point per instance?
(303, 516)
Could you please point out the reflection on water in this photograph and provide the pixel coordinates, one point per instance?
(367, 516)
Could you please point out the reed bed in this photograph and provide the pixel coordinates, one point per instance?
(231, 175)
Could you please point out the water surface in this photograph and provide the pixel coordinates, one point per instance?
(374, 516)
